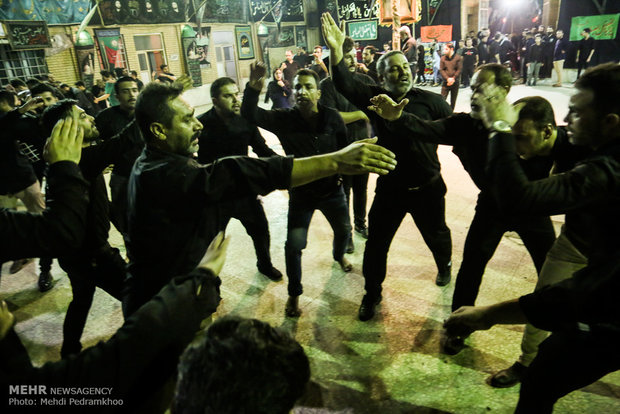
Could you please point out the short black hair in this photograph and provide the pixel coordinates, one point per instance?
(54, 113)
(241, 366)
(502, 74)
(153, 105)
(371, 49)
(587, 30)
(16, 83)
(133, 72)
(604, 81)
(80, 83)
(32, 82)
(162, 66)
(218, 84)
(105, 74)
(347, 45)
(538, 109)
(308, 72)
(7, 96)
(123, 79)
(41, 88)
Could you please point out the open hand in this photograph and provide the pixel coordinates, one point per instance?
(494, 106)
(365, 156)
(334, 37)
(386, 108)
(65, 143)
(257, 75)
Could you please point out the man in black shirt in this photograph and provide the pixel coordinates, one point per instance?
(226, 134)
(585, 51)
(416, 186)
(307, 129)
(166, 76)
(174, 201)
(356, 123)
(111, 122)
(289, 67)
(469, 137)
(535, 60)
(582, 312)
(369, 66)
(318, 65)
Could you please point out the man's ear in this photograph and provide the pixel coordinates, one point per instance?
(158, 130)
(611, 123)
(548, 131)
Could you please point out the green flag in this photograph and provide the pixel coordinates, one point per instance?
(603, 26)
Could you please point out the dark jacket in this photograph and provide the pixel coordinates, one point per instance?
(279, 95)
(450, 67)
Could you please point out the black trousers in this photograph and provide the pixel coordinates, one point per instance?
(118, 204)
(359, 185)
(251, 214)
(453, 90)
(466, 74)
(582, 65)
(566, 361)
(427, 208)
(485, 232)
(104, 269)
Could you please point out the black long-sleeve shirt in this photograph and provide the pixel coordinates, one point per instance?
(298, 137)
(220, 139)
(59, 229)
(535, 54)
(173, 207)
(330, 97)
(279, 95)
(136, 361)
(16, 172)
(111, 121)
(417, 160)
(589, 194)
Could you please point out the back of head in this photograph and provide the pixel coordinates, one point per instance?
(55, 113)
(497, 36)
(80, 84)
(537, 109)
(7, 98)
(241, 366)
(604, 82)
(40, 88)
(502, 75)
(32, 82)
(219, 83)
(152, 105)
(18, 83)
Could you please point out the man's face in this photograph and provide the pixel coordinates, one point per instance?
(228, 103)
(165, 69)
(87, 123)
(541, 29)
(367, 56)
(583, 123)
(127, 95)
(549, 31)
(485, 32)
(289, 55)
(318, 52)
(559, 34)
(350, 60)
(396, 76)
(538, 40)
(468, 43)
(585, 34)
(386, 47)
(181, 137)
(530, 141)
(461, 43)
(447, 50)
(307, 93)
(482, 78)
(48, 99)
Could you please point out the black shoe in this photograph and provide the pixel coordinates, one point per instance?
(292, 307)
(272, 273)
(451, 345)
(367, 308)
(46, 282)
(350, 246)
(362, 231)
(508, 377)
(444, 276)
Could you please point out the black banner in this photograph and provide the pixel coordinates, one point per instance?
(292, 10)
(134, 12)
(25, 34)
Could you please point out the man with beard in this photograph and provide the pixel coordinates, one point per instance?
(95, 263)
(469, 137)
(416, 186)
(226, 134)
(369, 66)
(174, 201)
(114, 121)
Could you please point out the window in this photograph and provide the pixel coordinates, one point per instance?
(22, 64)
(150, 51)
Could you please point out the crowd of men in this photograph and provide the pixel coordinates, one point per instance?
(178, 179)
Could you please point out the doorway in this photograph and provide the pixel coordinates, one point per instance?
(226, 61)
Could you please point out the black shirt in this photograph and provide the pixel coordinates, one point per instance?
(298, 137)
(220, 139)
(589, 194)
(469, 57)
(111, 121)
(173, 208)
(332, 98)
(289, 71)
(535, 53)
(16, 172)
(585, 47)
(417, 161)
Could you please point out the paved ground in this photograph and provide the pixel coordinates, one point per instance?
(388, 365)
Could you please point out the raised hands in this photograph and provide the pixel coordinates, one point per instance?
(65, 143)
(334, 37)
(215, 256)
(365, 156)
(494, 106)
(386, 108)
(257, 75)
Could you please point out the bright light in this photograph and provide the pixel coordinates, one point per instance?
(512, 4)
(504, 20)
